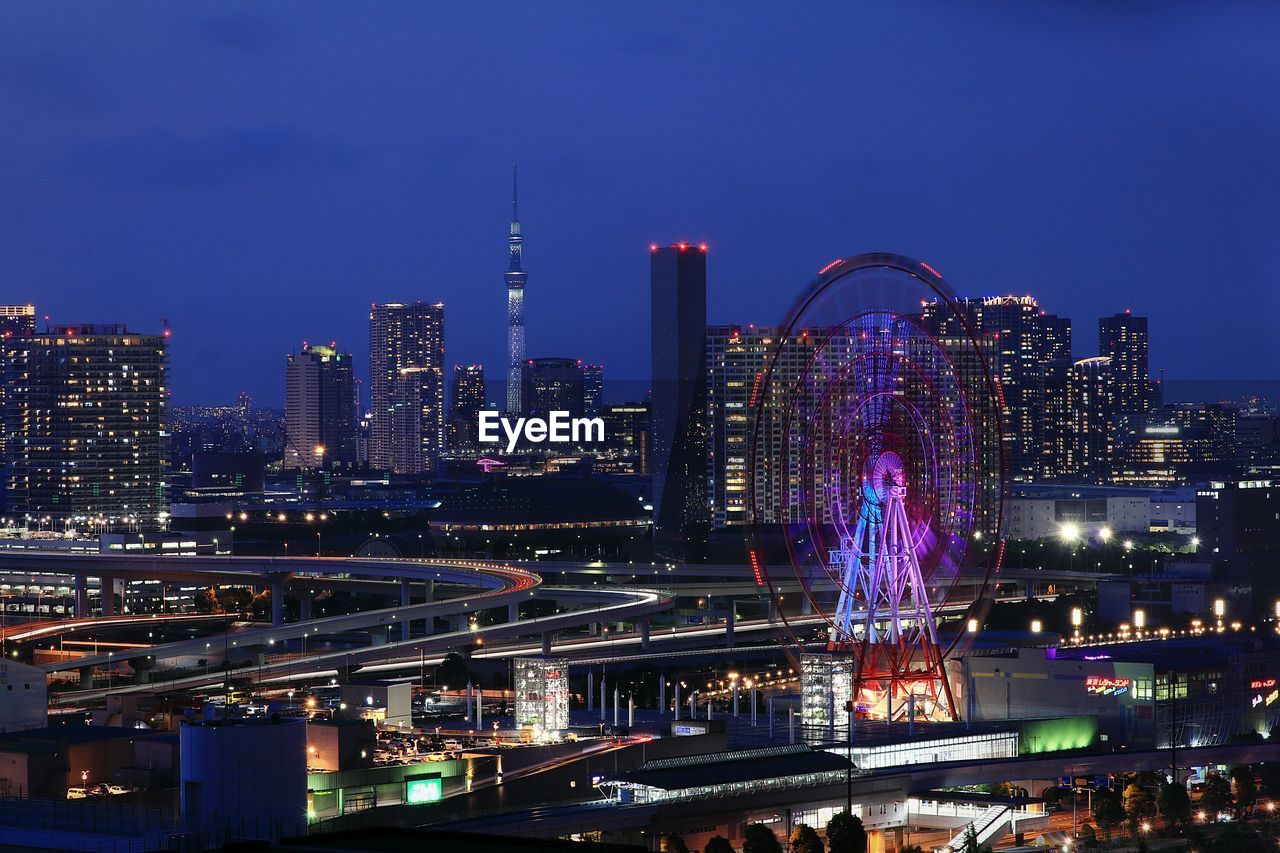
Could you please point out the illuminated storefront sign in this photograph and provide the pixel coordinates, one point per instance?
(1262, 684)
(424, 790)
(1106, 686)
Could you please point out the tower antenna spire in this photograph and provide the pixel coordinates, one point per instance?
(515, 187)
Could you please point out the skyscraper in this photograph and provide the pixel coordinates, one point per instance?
(678, 293)
(592, 388)
(464, 410)
(406, 386)
(15, 320)
(1093, 419)
(515, 278)
(550, 385)
(87, 426)
(320, 413)
(1123, 338)
(1031, 348)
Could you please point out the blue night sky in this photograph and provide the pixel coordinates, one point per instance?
(258, 174)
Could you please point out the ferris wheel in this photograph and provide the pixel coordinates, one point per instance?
(876, 477)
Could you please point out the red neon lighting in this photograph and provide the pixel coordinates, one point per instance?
(1262, 683)
(702, 247)
(755, 567)
(837, 262)
(931, 269)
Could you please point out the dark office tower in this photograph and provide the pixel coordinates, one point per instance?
(516, 278)
(464, 411)
(678, 287)
(551, 385)
(592, 388)
(1093, 419)
(15, 321)
(88, 432)
(406, 386)
(319, 411)
(1123, 338)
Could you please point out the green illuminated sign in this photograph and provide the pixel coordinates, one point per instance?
(423, 791)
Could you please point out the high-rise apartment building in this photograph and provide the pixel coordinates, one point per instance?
(406, 386)
(1033, 351)
(1093, 405)
(1123, 338)
(515, 278)
(86, 416)
(550, 385)
(15, 321)
(678, 309)
(466, 404)
(320, 414)
(592, 388)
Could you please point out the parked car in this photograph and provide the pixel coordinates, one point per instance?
(452, 745)
(436, 756)
(120, 789)
(76, 793)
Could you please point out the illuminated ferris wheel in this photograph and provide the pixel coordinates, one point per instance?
(876, 477)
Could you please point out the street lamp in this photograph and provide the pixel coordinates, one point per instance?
(1139, 619)
(1105, 534)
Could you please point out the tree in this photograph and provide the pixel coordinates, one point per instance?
(805, 840)
(1108, 811)
(1088, 836)
(206, 600)
(845, 834)
(673, 844)
(718, 844)
(1175, 804)
(760, 839)
(1216, 796)
(1243, 785)
(970, 843)
(1137, 803)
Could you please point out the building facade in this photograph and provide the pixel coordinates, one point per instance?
(550, 385)
(86, 426)
(320, 413)
(467, 402)
(678, 306)
(1032, 352)
(406, 386)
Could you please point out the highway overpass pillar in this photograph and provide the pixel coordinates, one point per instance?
(406, 599)
(513, 612)
(86, 678)
(644, 633)
(277, 602)
(546, 645)
(142, 669)
(304, 606)
(82, 597)
(429, 591)
(729, 620)
(107, 589)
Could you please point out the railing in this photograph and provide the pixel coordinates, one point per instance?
(984, 826)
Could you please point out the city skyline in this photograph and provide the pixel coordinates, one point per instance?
(260, 227)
